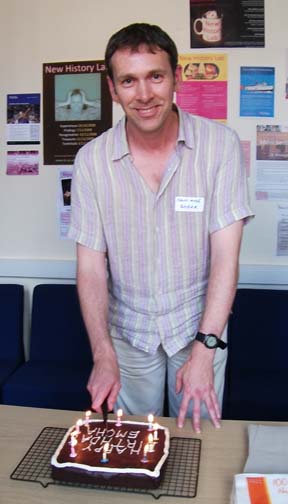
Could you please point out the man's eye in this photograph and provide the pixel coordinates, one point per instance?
(127, 82)
(157, 77)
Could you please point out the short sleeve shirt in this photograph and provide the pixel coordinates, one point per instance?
(157, 244)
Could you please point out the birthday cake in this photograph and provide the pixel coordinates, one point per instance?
(130, 454)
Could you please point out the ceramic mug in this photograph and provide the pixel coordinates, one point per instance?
(211, 26)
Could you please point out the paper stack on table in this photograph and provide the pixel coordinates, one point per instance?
(265, 477)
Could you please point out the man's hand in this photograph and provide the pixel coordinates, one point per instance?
(104, 381)
(196, 380)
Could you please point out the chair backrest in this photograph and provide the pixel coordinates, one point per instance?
(57, 328)
(258, 330)
(11, 317)
(257, 365)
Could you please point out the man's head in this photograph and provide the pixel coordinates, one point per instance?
(76, 101)
(140, 34)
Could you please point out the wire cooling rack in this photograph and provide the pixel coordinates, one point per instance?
(180, 477)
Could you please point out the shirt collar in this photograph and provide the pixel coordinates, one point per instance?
(186, 129)
(121, 147)
(120, 143)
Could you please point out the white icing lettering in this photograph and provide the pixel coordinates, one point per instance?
(121, 434)
(133, 434)
(135, 447)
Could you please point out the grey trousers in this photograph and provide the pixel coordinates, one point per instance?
(143, 378)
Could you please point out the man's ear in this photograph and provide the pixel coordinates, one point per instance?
(178, 77)
(112, 89)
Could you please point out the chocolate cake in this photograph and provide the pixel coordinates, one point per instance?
(128, 458)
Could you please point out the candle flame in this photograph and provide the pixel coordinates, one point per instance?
(120, 413)
(150, 418)
(106, 447)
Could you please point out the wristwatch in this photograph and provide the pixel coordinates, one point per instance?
(210, 340)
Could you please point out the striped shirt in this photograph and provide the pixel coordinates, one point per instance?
(157, 244)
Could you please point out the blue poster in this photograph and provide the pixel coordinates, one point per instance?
(257, 91)
(23, 118)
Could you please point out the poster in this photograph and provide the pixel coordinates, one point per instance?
(203, 90)
(22, 162)
(23, 118)
(282, 230)
(286, 83)
(246, 149)
(257, 91)
(77, 107)
(64, 200)
(227, 23)
(272, 162)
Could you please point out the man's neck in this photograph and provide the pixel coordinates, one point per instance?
(154, 141)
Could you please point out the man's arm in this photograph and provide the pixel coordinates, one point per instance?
(196, 377)
(104, 380)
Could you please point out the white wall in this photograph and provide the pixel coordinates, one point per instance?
(38, 31)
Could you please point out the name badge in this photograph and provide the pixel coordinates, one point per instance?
(189, 204)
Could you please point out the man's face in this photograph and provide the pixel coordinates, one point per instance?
(76, 103)
(143, 84)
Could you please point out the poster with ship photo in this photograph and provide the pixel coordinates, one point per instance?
(227, 23)
(77, 107)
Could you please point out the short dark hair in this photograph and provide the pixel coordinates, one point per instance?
(137, 34)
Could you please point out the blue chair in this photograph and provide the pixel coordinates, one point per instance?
(257, 366)
(60, 361)
(11, 334)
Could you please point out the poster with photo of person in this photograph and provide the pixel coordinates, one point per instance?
(64, 200)
(227, 23)
(77, 107)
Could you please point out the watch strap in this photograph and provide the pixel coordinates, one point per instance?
(202, 338)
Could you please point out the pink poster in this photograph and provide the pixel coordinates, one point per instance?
(203, 90)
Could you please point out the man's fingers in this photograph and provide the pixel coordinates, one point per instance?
(183, 411)
(212, 408)
(113, 396)
(196, 415)
(178, 385)
(216, 403)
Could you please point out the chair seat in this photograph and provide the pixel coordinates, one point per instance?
(52, 385)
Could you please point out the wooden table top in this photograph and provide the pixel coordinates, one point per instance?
(223, 454)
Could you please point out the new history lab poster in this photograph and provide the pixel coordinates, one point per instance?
(77, 107)
(203, 87)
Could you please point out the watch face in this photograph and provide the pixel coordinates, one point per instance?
(211, 341)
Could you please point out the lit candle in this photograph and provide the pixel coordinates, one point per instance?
(78, 425)
(145, 451)
(150, 422)
(73, 443)
(87, 417)
(119, 417)
(155, 428)
(150, 443)
(104, 459)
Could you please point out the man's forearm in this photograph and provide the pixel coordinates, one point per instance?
(93, 296)
(223, 279)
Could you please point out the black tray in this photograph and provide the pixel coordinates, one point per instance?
(180, 477)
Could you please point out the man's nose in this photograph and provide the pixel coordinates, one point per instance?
(144, 91)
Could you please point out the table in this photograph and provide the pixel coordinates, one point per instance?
(223, 454)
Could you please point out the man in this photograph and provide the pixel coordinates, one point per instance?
(158, 204)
